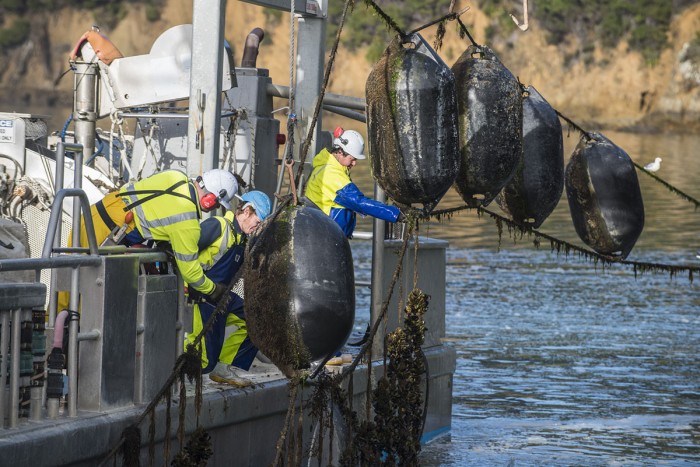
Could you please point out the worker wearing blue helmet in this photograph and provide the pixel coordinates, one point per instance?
(228, 355)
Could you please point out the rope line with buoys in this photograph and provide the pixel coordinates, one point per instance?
(565, 246)
(670, 187)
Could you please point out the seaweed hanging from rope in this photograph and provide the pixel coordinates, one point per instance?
(197, 450)
(392, 436)
(562, 246)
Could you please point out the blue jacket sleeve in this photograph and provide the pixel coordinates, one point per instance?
(352, 198)
(210, 230)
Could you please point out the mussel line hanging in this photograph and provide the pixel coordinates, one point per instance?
(490, 125)
(412, 123)
(604, 196)
(535, 190)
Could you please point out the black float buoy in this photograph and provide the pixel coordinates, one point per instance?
(604, 196)
(535, 190)
(490, 125)
(299, 287)
(412, 123)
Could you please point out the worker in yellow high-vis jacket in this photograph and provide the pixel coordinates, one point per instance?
(166, 206)
(227, 352)
(331, 190)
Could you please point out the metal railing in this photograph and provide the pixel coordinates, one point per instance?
(21, 300)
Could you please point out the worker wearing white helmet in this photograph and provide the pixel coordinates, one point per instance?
(331, 189)
(166, 206)
(221, 183)
(226, 348)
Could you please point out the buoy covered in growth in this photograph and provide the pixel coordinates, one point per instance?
(412, 123)
(604, 196)
(299, 287)
(490, 125)
(535, 190)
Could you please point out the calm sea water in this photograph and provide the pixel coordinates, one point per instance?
(560, 363)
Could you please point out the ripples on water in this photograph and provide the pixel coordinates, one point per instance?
(563, 363)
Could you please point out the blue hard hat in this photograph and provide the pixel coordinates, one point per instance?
(260, 202)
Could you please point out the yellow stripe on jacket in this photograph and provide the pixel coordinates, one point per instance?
(327, 177)
(171, 218)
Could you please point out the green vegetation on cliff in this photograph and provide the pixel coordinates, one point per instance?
(644, 24)
(15, 15)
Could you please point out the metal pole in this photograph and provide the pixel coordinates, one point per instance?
(311, 52)
(74, 290)
(60, 170)
(360, 117)
(84, 107)
(14, 369)
(338, 100)
(4, 337)
(24, 264)
(377, 271)
(205, 85)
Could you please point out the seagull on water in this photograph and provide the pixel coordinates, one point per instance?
(653, 166)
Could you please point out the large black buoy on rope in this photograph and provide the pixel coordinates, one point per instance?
(299, 288)
(412, 123)
(535, 190)
(604, 196)
(490, 125)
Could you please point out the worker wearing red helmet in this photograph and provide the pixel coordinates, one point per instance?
(331, 189)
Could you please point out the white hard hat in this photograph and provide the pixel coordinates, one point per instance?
(222, 183)
(351, 142)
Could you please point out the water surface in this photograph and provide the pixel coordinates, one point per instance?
(563, 363)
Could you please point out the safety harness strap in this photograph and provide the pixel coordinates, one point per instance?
(102, 211)
(154, 194)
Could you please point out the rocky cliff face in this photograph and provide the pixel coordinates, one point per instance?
(609, 88)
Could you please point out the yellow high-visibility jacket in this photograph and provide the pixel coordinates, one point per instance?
(225, 236)
(222, 246)
(173, 217)
(332, 191)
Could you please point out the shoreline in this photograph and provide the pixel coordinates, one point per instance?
(57, 104)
